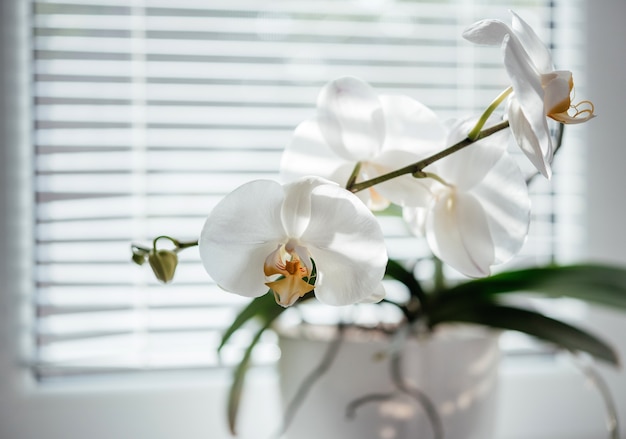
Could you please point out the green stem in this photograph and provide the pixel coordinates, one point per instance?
(439, 278)
(417, 167)
(177, 244)
(184, 245)
(475, 132)
(354, 175)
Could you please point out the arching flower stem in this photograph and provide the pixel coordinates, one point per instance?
(354, 175)
(178, 245)
(417, 167)
(475, 132)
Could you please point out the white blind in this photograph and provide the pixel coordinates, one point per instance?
(148, 111)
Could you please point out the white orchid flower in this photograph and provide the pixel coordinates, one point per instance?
(540, 91)
(479, 211)
(379, 132)
(265, 235)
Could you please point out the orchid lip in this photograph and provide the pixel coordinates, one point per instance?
(286, 274)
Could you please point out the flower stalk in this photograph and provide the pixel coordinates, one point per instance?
(475, 132)
(417, 167)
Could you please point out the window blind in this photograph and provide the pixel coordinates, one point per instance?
(148, 111)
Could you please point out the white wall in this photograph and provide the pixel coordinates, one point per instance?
(606, 64)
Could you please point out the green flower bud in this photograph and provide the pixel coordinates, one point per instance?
(139, 258)
(163, 263)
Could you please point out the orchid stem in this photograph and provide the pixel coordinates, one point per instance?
(417, 167)
(475, 132)
(177, 244)
(354, 175)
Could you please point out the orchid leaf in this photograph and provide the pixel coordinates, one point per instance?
(396, 271)
(527, 321)
(268, 314)
(263, 307)
(236, 388)
(599, 284)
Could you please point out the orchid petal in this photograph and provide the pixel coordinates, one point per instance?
(503, 194)
(296, 209)
(489, 32)
(529, 93)
(458, 233)
(378, 295)
(405, 190)
(347, 245)
(235, 260)
(527, 140)
(537, 51)
(308, 153)
(411, 126)
(526, 80)
(415, 218)
(467, 167)
(350, 118)
(557, 92)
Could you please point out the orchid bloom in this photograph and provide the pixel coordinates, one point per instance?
(309, 234)
(540, 91)
(479, 211)
(379, 133)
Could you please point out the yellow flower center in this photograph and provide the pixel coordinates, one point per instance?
(286, 275)
(558, 87)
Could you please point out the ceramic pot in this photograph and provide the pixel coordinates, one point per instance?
(456, 368)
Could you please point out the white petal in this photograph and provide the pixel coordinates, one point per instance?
(503, 195)
(308, 153)
(405, 190)
(527, 140)
(411, 126)
(415, 218)
(557, 92)
(489, 32)
(296, 209)
(458, 233)
(350, 118)
(538, 52)
(465, 168)
(239, 233)
(347, 246)
(378, 295)
(525, 78)
(529, 93)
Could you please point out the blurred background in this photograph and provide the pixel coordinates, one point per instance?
(124, 120)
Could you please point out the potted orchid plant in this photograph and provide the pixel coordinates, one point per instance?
(455, 184)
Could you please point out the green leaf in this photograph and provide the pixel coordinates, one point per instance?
(600, 284)
(268, 315)
(530, 322)
(396, 271)
(262, 307)
(236, 388)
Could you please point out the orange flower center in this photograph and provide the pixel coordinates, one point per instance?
(286, 275)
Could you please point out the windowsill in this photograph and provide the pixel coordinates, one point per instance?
(541, 397)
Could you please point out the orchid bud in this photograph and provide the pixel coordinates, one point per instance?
(139, 257)
(163, 263)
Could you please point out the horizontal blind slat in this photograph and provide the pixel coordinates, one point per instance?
(148, 112)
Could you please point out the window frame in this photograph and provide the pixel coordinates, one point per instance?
(195, 403)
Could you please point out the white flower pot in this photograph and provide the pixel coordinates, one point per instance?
(456, 368)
